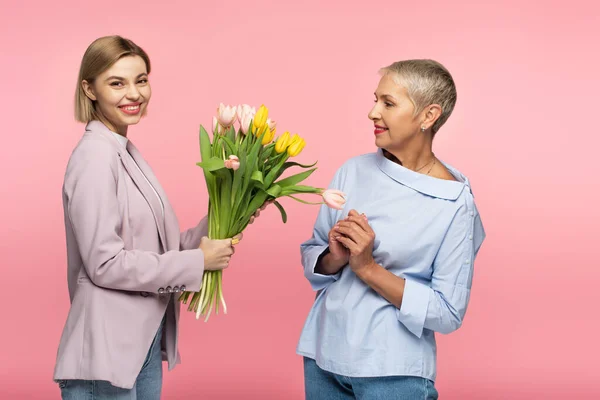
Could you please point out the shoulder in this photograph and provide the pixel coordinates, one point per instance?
(93, 155)
(93, 147)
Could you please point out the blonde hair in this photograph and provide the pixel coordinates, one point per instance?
(427, 82)
(100, 56)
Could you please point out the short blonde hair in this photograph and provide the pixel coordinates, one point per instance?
(100, 56)
(427, 82)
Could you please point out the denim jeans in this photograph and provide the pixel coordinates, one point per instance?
(323, 385)
(147, 386)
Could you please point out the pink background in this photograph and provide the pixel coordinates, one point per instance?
(525, 131)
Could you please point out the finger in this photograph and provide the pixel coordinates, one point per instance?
(347, 243)
(257, 213)
(251, 219)
(353, 213)
(351, 233)
(352, 226)
(362, 222)
(236, 239)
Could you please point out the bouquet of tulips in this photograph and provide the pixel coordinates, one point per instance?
(242, 169)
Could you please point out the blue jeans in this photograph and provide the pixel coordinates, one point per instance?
(322, 385)
(147, 385)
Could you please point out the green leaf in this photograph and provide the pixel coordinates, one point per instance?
(292, 164)
(282, 211)
(274, 190)
(225, 206)
(205, 153)
(300, 189)
(230, 134)
(295, 179)
(231, 147)
(257, 176)
(205, 145)
(212, 164)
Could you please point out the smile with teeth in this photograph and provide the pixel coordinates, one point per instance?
(130, 108)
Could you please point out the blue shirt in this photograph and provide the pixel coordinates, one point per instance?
(427, 231)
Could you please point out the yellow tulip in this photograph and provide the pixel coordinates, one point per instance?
(296, 147)
(260, 120)
(282, 143)
(268, 136)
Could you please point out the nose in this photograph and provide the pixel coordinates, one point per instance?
(374, 114)
(133, 93)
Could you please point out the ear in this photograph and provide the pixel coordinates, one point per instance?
(429, 115)
(88, 90)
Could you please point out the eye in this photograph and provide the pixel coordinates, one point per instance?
(143, 81)
(116, 84)
(388, 104)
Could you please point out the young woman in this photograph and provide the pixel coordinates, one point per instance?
(395, 265)
(127, 259)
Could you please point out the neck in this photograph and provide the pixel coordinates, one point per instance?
(122, 130)
(414, 154)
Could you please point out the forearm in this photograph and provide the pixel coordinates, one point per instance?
(388, 285)
(327, 265)
(190, 239)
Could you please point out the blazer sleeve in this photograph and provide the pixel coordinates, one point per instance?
(190, 239)
(90, 190)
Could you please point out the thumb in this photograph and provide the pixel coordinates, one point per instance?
(353, 213)
(236, 239)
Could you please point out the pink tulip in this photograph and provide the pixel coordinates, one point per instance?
(245, 123)
(243, 110)
(334, 198)
(233, 163)
(226, 115)
(217, 128)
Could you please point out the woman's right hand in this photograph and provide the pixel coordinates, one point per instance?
(217, 253)
(338, 253)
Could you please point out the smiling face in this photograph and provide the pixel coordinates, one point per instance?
(393, 115)
(121, 93)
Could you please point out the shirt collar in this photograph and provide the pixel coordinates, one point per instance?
(97, 126)
(440, 188)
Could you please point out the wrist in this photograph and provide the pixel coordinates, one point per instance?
(365, 270)
(329, 265)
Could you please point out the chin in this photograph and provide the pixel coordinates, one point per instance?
(381, 142)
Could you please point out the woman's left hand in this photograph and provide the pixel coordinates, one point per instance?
(257, 213)
(358, 237)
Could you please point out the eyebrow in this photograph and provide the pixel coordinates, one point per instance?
(389, 96)
(122, 79)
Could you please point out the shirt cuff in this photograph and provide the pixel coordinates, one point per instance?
(309, 261)
(413, 310)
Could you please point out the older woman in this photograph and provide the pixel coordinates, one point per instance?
(396, 264)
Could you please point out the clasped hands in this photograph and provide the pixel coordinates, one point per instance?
(351, 242)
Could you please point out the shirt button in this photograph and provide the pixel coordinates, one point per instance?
(472, 213)
(467, 261)
(470, 237)
(169, 289)
(182, 288)
(144, 294)
(161, 290)
(175, 289)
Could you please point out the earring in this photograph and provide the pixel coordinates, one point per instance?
(423, 128)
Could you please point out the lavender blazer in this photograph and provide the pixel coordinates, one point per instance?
(126, 263)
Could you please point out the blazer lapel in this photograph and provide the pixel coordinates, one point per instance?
(170, 228)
